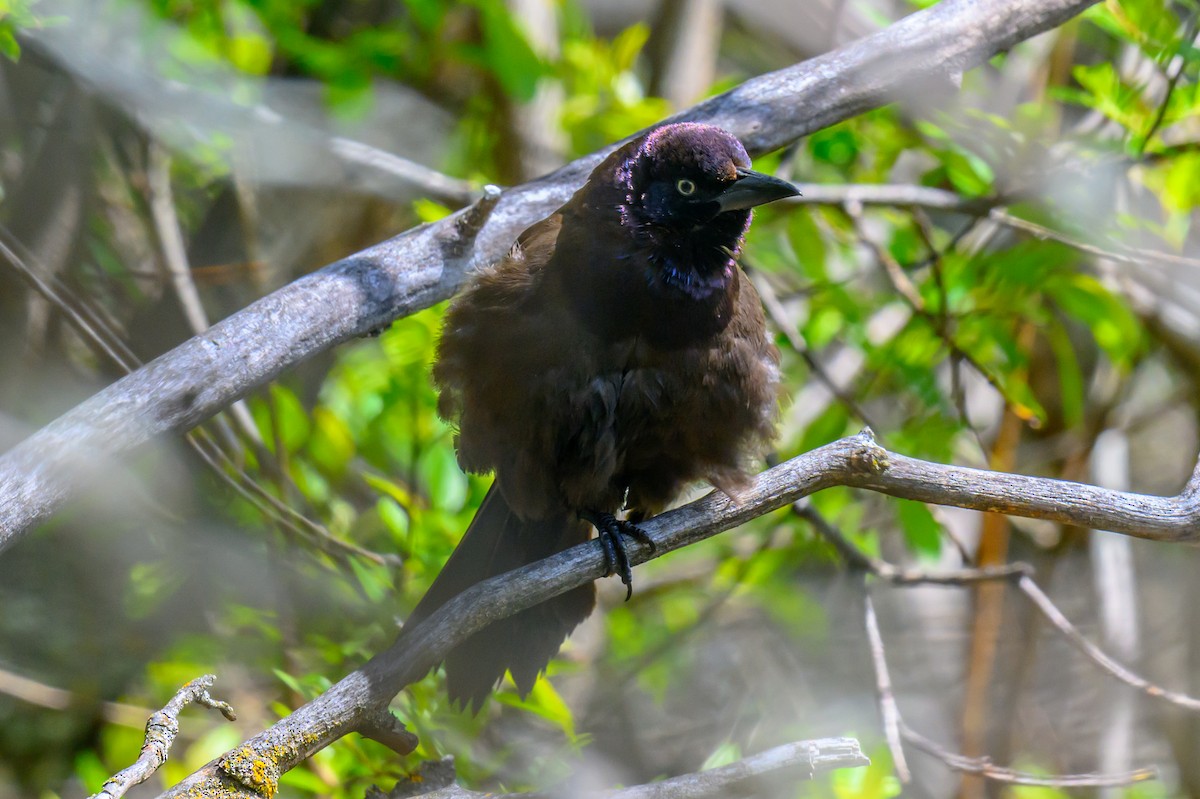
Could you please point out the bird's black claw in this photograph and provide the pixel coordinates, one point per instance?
(609, 529)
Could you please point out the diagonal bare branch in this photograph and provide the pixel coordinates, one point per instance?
(855, 461)
(924, 52)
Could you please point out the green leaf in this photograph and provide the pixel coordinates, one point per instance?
(807, 241)
(373, 578)
(546, 702)
(829, 426)
(251, 53)
(627, 45)
(836, 146)
(393, 517)
(725, 754)
(509, 55)
(442, 478)
(90, 770)
(968, 173)
(302, 779)
(1107, 93)
(9, 47)
(283, 420)
(823, 326)
(149, 585)
(1181, 189)
(429, 210)
(1070, 376)
(1113, 325)
(291, 682)
(394, 490)
(922, 532)
(1151, 24)
(876, 781)
(331, 444)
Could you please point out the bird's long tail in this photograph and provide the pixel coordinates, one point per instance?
(498, 541)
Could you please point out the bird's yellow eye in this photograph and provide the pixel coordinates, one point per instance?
(686, 187)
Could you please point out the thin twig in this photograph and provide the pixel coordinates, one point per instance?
(779, 316)
(9, 248)
(170, 236)
(288, 518)
(901, 575)
(161, 729)
(1095, 653)
(984, 767)
(53, 698)
(891, 267)
(111, 346)
(899, 195)
(912, 296)
(958, 395)
(1180, 63)
(175, 259)
(712, 604)
(892, 194)
(888, 710)
(438, 185)
(369, 289)
(894, 726)
(1021, 573)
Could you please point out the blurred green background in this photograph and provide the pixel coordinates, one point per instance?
(165, 162)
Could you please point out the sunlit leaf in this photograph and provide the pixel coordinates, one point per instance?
(728, 752)
(546, 702)
(509, 55)
(1070, 376)
(331, 444)
(442, 477)
(921, 531)
(9, 48)
(1114, 326)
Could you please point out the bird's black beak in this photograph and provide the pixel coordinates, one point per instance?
(754, 188)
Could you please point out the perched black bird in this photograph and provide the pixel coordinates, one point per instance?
(615, 355)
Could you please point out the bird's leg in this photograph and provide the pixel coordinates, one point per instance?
(609, 530)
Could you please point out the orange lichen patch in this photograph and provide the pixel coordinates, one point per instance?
(215, 787)
(257, 770)
(259, 767)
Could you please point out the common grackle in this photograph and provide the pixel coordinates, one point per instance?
(616, 354)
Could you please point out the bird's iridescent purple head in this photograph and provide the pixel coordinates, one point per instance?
(687, 191)
(702, 150)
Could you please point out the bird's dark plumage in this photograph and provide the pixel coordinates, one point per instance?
(614, 356)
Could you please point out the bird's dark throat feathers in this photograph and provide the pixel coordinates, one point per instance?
(676, 282)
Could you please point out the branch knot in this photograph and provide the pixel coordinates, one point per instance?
(468, 224)
(868, 457)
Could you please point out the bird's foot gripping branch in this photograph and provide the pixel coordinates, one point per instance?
(611, 532)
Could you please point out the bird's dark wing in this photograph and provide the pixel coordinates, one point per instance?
(496, 542)
(495, 345)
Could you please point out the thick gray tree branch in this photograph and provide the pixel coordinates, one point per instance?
(859, 461)
(804, 759)
(925, 51)
(812, 756)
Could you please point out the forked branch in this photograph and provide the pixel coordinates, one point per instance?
(926, 51)
(854, 461)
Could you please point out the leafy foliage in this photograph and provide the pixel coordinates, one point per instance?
(1032, 325)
